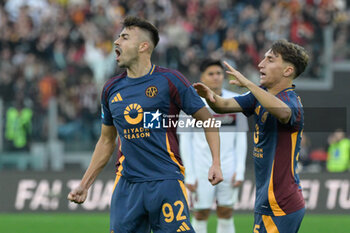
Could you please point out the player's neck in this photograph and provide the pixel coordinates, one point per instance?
(278, 87)
(139, 69)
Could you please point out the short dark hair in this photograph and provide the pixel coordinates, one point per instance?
(132, 21)
(292, 53)
(209, 62)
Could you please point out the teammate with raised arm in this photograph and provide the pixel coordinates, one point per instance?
(279, 122)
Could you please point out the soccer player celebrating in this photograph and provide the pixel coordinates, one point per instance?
(196, 157)
(149, 193)
(279, 120)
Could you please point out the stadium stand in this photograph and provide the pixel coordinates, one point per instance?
(63, 49)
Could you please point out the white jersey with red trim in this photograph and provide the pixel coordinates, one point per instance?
(195, 151)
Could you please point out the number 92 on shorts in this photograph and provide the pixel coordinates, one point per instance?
(160, 206)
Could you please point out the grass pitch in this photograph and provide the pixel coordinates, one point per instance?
(99, 223)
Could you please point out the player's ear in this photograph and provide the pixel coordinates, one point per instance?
(144, 46)
(201, 78)
(288, 71)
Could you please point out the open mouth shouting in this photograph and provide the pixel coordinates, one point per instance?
(262, 74)
(118, 51)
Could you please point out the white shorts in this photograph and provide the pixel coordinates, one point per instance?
(207, 195)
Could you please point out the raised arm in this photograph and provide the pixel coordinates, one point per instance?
(216, 102)
(270, 102)
(213, 139)
(102, 153)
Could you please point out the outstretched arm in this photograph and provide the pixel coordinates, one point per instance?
(213, 139)
(102, 153)
(216, 102)
(270, 102)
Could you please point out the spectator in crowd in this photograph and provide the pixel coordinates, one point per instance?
(311, 160)
(18, 126)
(39, 37)
(338, 159)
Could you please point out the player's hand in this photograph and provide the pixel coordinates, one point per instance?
(235, 183)
(215, 175)
(204, 91)
(78, 195)
(238, 183)
(192, 187)
(238, 78)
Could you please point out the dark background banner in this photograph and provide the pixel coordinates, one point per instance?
(47, 192)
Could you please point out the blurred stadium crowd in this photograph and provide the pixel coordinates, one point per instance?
(64, 48)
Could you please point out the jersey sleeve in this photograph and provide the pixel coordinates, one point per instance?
(191, 101)
(183, 94)
(247, 102)
(293, 102)
(106, 115)
(297, 110)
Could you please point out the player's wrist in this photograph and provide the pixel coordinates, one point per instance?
(250, 85)
(83, 186)
(216, 163)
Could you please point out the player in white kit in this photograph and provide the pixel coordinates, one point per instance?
(196, 157)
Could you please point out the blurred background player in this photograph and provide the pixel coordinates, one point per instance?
(196, 156)
(279, 123)
(148, 190)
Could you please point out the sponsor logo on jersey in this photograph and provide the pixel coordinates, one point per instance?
(258, 152)
(133, 114)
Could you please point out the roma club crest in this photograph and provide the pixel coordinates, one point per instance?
(151, 91)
